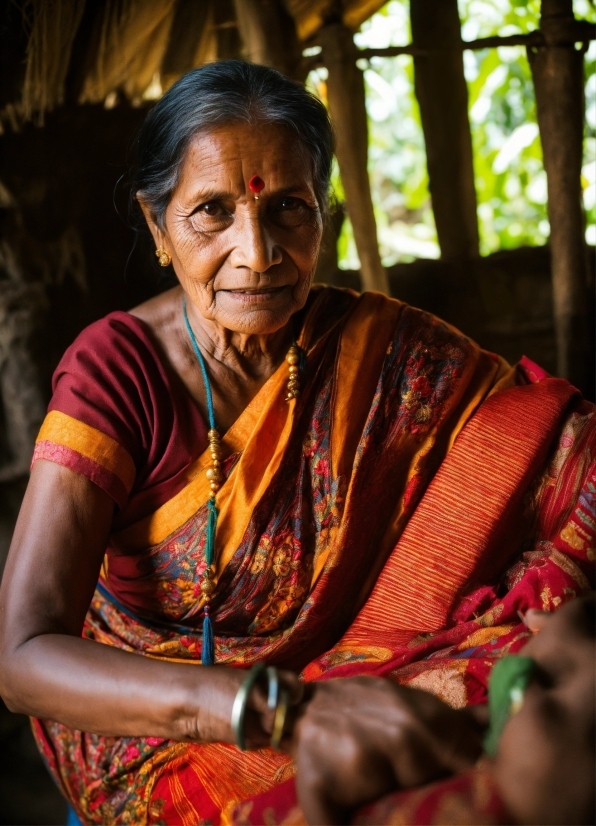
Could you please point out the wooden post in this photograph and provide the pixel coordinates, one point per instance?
(226, 30)
(269, 36)
(557, 69)
(188, 28)
(442, 94)
(345, 91)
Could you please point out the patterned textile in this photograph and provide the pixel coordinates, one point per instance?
(390, 522)
(468, 799)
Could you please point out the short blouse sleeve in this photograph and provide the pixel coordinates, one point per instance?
(105, 405)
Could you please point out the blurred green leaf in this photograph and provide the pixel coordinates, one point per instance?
(509, 174)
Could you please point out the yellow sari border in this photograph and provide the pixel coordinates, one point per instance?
(61, 429)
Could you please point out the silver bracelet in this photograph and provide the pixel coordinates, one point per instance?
(277, 700)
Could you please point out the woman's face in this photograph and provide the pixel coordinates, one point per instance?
(247, 264)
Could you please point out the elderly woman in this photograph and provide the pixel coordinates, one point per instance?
(249, 470)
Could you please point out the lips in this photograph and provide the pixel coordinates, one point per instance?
(256, 294)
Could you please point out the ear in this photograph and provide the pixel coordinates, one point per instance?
(158, 234)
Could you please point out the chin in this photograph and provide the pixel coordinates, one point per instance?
(259, 318)
(257, 322)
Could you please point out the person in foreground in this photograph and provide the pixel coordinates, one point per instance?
(249, 469)
(540, 767)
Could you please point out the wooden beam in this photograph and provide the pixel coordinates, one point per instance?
(580, 32)
(442, 94)
(345, 92)
(269, 36)
(558, 79)
(188, 28)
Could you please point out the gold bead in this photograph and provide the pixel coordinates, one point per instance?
(293, 358)
(207, 586)
(293, 385)
(214, 475)
(293, 369)
(216, 455)
(216, 463)
(214, 487)
(213, 436)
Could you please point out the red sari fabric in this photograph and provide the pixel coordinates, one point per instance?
(468, 798)
(390, 522)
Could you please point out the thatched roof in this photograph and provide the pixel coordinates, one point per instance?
(89, 51)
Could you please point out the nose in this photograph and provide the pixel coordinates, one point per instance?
(255, 248)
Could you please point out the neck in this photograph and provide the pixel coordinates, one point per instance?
(249, 353)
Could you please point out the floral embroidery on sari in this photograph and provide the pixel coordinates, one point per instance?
(346, 478)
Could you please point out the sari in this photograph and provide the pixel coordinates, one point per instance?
(391, 521)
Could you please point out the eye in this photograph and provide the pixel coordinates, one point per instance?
(211, 216)
(290, 212)
(213, 209)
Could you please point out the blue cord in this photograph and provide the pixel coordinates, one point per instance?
(203, 366)
(208, 649)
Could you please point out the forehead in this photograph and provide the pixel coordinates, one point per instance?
(226, 157)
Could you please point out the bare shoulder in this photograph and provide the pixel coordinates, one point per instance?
(162, 315)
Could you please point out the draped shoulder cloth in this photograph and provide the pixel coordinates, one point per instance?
(391, 521)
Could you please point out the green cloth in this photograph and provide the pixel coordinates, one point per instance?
(508, 681)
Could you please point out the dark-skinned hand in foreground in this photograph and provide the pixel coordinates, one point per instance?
(363, 737)
(360, 739)
(545, 765)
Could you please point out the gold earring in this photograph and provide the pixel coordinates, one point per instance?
(163, 256)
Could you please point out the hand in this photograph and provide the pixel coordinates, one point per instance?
(545, 762)
(361, 738)
(218, 699)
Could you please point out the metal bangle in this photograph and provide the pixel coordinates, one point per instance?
(279, 721)
(240, 702)
(272, 687)
(277, 700)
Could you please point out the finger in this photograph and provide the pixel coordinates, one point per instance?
(479, 714)
(536, 620)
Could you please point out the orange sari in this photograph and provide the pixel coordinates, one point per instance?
(363, 529)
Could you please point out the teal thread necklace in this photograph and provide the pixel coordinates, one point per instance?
(294, 358)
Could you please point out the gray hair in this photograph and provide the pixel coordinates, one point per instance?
(230, 91)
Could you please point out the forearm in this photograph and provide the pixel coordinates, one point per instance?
(96, 688)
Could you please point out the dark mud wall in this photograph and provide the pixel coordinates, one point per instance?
(66, 259)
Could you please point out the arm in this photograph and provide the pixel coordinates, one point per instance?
(48, 671)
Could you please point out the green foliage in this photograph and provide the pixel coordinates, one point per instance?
(510, 178)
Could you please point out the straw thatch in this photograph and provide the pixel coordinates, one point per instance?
(92, 53)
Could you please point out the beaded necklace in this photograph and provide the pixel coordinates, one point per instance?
(295, 360)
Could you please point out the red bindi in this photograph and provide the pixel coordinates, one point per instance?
(256, 184)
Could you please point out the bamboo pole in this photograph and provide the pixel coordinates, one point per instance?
(225, 24)
(442, 94)
(269, 36)
(345, 92)
(557, 69)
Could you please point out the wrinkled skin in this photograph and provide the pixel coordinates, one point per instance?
(363, 737)
(359, 739)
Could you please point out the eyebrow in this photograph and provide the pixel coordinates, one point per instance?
(205, 196)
